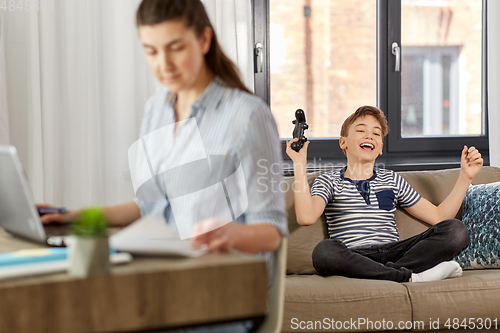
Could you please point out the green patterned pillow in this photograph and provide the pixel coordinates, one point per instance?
(481, 215)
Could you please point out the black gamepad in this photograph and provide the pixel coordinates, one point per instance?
(298, 131)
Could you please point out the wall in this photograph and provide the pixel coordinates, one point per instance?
(494, 80)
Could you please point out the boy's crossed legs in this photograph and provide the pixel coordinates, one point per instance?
(398, 260)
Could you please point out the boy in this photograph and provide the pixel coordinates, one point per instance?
(359, 202)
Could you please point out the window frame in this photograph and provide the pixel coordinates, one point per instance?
(261, 22)
(390, 12)
(415, 153)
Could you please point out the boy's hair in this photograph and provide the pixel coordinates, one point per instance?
(365, 110)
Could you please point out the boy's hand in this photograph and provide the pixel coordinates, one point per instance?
(297, 157)
(471, 161)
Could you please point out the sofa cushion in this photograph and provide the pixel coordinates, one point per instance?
(302, 239)
(481, 216)
(474, 295)
(432, 185)
(435, 186)
(314, 298)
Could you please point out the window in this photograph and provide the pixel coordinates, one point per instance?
(440, 104)
(429, 93)
(330, 57)
(323, 60)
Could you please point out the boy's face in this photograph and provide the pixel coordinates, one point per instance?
(363, 143)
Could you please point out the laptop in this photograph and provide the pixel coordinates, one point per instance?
(19, 216)
(18, 213)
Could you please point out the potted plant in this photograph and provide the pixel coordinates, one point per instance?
(89, 246)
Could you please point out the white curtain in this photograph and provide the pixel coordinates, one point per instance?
(493, 8)
(73, 90)
(4, 116)
(230, 19)
(77, 82)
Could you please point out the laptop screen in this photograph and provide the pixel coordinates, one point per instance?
(18, 214)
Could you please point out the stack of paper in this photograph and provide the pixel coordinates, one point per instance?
(152, 236)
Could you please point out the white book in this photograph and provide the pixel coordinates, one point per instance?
(152, 236)
(50, 267)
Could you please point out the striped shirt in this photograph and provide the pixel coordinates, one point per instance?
(228, 132)
(356, 220)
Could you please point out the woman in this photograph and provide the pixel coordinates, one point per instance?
(203, 85)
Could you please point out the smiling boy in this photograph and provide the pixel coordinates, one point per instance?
(359, 202)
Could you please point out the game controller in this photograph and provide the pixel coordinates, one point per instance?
(298, 131)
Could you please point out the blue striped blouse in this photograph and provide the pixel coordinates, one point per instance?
(223, 161)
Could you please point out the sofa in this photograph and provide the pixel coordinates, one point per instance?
(320, 304)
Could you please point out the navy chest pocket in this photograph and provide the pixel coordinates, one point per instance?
(385, 199)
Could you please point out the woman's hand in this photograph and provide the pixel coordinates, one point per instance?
(301, 155)
(61, 218)
(471, 161)
(216, 235)
(220, 236)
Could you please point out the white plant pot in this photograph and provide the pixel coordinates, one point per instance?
(88, 256)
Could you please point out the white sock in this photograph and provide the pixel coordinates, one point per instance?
(444, 270)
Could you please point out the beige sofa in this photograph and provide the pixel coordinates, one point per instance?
(312, 301)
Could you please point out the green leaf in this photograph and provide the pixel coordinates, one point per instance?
(91, 223)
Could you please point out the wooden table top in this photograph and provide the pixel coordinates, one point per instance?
(148, 293)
